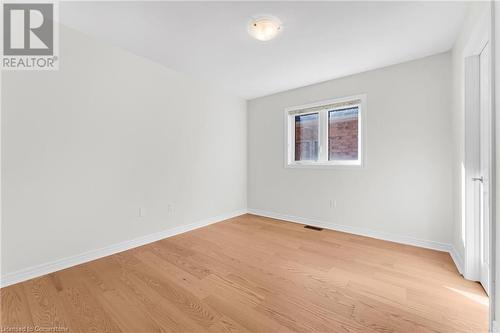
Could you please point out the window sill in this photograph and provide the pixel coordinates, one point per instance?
(319, 165)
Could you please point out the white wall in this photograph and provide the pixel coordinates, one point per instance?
(83, 148)
(406, 187)
(476, 15)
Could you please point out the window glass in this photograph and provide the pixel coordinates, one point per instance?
(306, 137)
(343, 134)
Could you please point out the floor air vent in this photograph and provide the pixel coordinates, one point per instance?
(313, 227)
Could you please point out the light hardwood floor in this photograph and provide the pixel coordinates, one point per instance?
(254, 274)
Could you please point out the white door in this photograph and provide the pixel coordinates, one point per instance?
(484, 164)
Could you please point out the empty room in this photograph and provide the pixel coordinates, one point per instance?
(249, 166)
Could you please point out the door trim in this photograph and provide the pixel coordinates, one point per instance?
(482, 35)
(494, 323)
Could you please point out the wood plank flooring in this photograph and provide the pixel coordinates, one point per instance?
(254, 274)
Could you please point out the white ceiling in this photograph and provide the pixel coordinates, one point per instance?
(319, 41)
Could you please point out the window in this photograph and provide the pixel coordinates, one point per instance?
(328, 133)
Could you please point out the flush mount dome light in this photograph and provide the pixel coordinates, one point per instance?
(264, 28)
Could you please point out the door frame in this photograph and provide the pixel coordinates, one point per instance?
(471, 146)
(493, 230)
(482, 35)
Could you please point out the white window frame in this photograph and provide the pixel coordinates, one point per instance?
(323, 162)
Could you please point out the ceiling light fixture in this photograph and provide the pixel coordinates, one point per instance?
(264, 28)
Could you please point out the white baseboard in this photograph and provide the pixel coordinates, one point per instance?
(457, 259)
(50, 267)
(357, 231)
